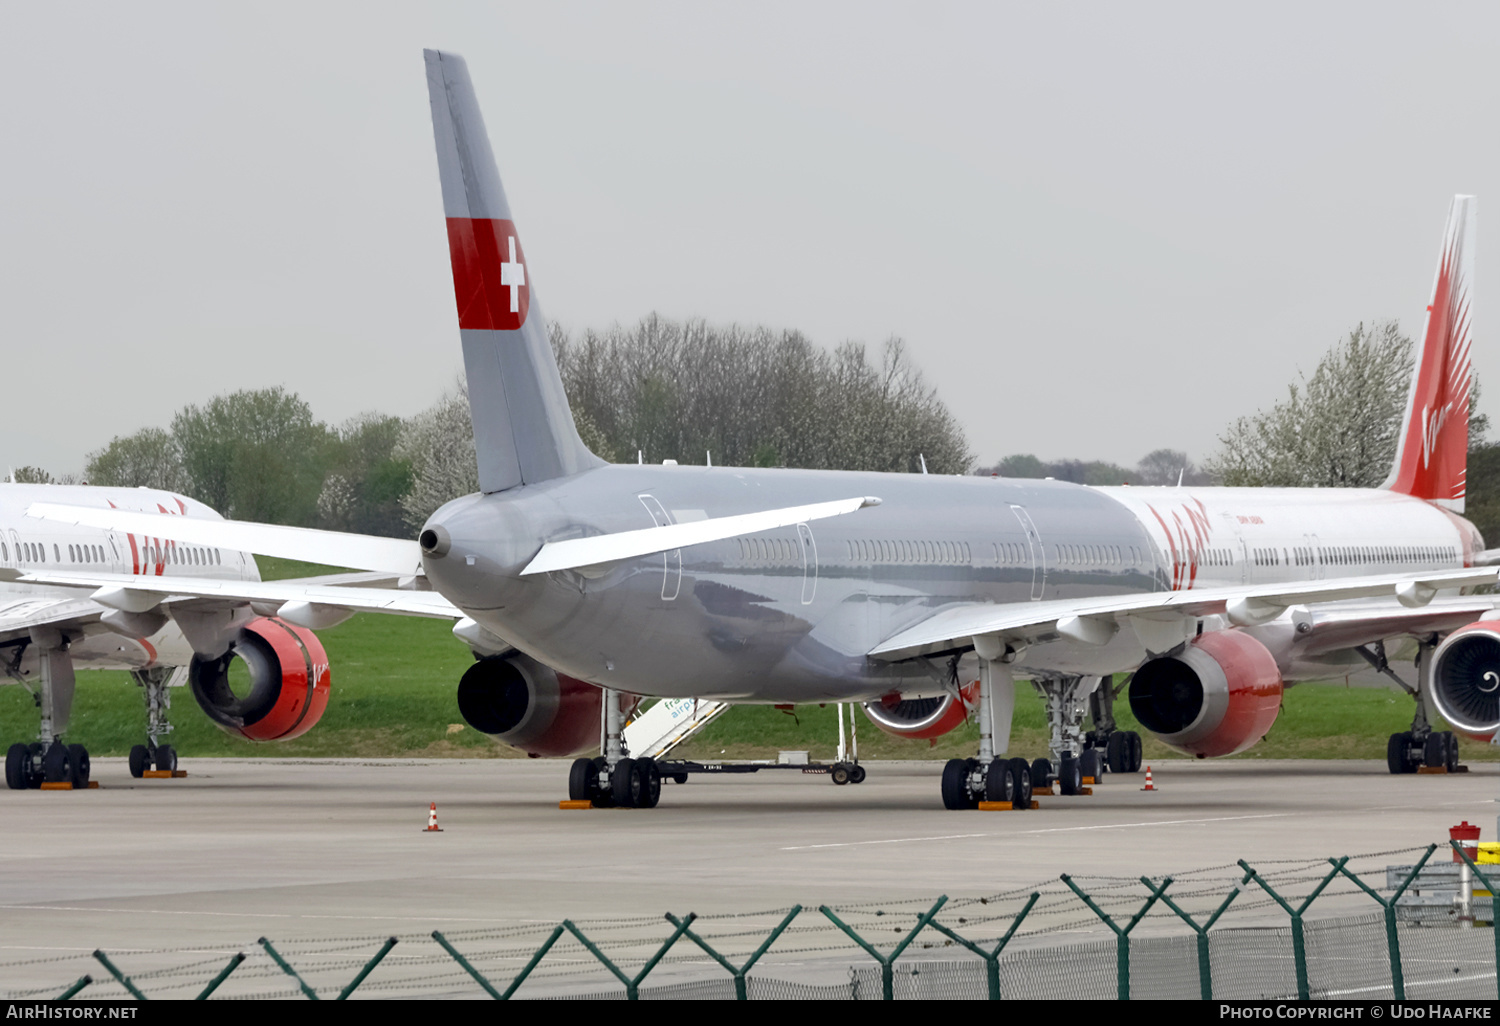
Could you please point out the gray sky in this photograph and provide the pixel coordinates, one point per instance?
(1102, 228)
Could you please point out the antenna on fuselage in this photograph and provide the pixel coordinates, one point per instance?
(1180, 472)
(923, 460)
(640, 458)
(710, 454)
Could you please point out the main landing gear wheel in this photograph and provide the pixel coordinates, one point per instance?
(1041, 773)
(647, 787)
(1452, 752)
(1395, 753)
(166, 758)
(956, 785)
(1021, 774)
(78, 766)
(55, 764)
(622, 784)
(999, 782)
(580, 777)
(140, 760)
(18, 767)
(1090, 764)
(1069, 776)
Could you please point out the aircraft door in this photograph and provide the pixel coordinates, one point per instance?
(671, 567)
(1034, 549)
(809, 563)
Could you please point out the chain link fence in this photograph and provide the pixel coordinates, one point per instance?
(1395, 924)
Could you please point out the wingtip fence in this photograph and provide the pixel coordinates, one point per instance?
(1099, 936)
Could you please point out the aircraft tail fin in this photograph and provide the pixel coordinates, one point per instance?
(523, 428)
(1433, 447)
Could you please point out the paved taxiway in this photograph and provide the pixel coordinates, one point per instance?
(284, 848)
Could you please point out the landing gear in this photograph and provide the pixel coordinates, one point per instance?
(615, 779)
(989, 777)
(1122, 752)
(156, 684)
(1069, 776)
(47, 760)
(1121, 748)
(1421, 746)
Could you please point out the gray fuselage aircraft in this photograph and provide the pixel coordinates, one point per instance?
(922, 596)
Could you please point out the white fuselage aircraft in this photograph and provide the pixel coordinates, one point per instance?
(921, 596)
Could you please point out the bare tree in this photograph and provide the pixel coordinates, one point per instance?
(438, 447)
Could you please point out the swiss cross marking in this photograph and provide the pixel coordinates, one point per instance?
(513, 277)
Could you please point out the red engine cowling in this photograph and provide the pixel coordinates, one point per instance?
(1466, 679)
(921, 718)
(288, 687)
(527, 705)
(1218, 696)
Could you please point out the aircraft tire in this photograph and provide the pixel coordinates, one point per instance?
(140, 760)
(1069, 777)
(166, 757)
(647, 784)
(55, 764)
(1452, 751)
(580, 787)
(1395, 753)
(78, 766)
(856, 774)
(1117, 752)
(956, 785)
(18, 767)
(1137, 753)
(623, 786)
(1021, 793)
(999, 782)
(1041, 773)
(1091, 764)
(1435, 750)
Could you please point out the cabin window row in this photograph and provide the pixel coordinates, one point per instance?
(1097, 555)
(767, 551)
(907, 551)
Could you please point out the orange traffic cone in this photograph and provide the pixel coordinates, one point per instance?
(433, 828)
(1149, 786)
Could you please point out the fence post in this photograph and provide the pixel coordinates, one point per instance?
(1205, 964)
(1494, 904)
(741, 991)
(390, 942)
(1299, 948)
(632, 984)
(887, 984)
(103, 960)
(991, 958)
(1122, 937)
(83, 981)
(213, 985)
(520, 977)
(312, 995)
(1392, 942)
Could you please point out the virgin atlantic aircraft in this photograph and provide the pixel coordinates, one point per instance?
(923, 597)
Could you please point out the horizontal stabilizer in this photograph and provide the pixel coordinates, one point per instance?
(332, 548)
(611, 548)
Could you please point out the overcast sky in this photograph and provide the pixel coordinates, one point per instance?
(1102, 229)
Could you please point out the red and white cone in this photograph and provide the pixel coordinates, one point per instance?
(433, 828)
(1149, 785)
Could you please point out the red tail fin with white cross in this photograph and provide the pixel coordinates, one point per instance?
(1432, 452)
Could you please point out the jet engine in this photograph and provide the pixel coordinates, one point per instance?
(1218, 696)
(517, 700)
(921, 718)
(1466, 679)
(287, 689)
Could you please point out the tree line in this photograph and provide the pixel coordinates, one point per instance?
(662, 389)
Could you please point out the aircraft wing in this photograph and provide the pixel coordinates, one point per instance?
(130, 591)
(19, 616)
(1160, 619)
(334, 548)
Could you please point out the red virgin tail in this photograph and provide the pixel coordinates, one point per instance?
(1432, 452)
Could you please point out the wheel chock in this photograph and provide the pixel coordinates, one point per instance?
(1043, 790)
(67, 785)
(163, 774)
(575, 804)
(1085, 790)
(1090, 780)
(1441, 769)
(1003, 806)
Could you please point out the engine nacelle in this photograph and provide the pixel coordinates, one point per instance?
(517, 700)
(921, 718)
(288, 687)
(1466, 679)
(1218, 696)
